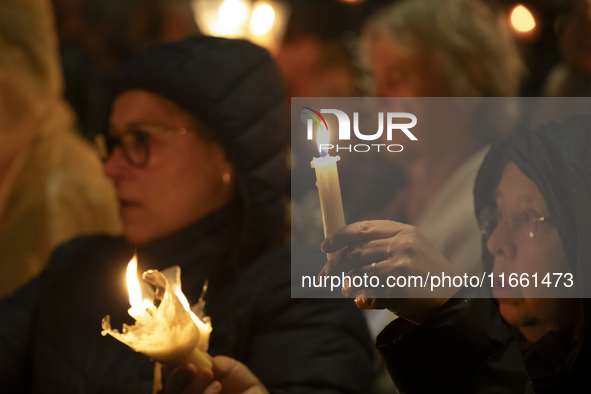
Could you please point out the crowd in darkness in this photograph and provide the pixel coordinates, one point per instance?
(194, 137)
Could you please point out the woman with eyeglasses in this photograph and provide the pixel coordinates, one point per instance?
(533, 201)
(197, 149)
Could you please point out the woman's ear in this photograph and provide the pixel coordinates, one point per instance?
(224, 163)
(226, 169)
(228, 172)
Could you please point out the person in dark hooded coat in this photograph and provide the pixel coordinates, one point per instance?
(198, 153)
(533, 201)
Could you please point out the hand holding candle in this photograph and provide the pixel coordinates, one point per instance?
(166, 329)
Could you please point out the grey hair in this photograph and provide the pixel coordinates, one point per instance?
(471, 43)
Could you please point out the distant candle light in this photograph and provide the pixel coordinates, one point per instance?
(262, 19)
(233, 13)
(522, 19)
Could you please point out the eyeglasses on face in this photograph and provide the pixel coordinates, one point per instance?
(135, 143)
(522, 224)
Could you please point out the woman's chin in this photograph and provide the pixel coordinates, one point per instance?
(139, 235)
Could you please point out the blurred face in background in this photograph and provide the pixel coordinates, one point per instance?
(313, 68)
(515, 251)
(398, 71)
(185, 177)
(575, 38)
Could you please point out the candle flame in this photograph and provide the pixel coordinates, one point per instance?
(322, 138)
(133, 285)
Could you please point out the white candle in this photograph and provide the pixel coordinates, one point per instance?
(329, 190)
(169, 333)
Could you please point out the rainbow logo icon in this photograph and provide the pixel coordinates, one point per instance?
(317, 117)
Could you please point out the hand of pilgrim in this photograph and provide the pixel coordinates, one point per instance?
(398, 250)
(228, 376)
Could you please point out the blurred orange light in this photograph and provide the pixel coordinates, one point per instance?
(262, 19)
(522, 19)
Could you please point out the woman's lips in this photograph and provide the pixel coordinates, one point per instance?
(506, 291)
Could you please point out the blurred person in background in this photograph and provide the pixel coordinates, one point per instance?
(433, 48)
(572, 77)
(51, 183)
(570, 80)
(314, 57)
(97, 36)
(198, 148)
(430, 48)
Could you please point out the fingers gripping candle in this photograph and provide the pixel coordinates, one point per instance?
(329, 189)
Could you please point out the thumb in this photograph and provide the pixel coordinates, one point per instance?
(222, 365)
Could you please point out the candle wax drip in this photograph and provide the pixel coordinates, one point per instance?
(167, 333)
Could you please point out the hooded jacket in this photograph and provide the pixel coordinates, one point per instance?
(465, 346)
(51, 340)
(52, 187)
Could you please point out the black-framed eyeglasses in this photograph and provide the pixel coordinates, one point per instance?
(135, 143)
(523, 224)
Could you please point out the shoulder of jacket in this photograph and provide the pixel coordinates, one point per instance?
(83, 249)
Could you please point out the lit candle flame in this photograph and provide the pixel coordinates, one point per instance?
(322, 138)
(133, 285)
(522, 19)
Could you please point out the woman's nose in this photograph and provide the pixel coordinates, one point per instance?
(501, 243)
(116, 167)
